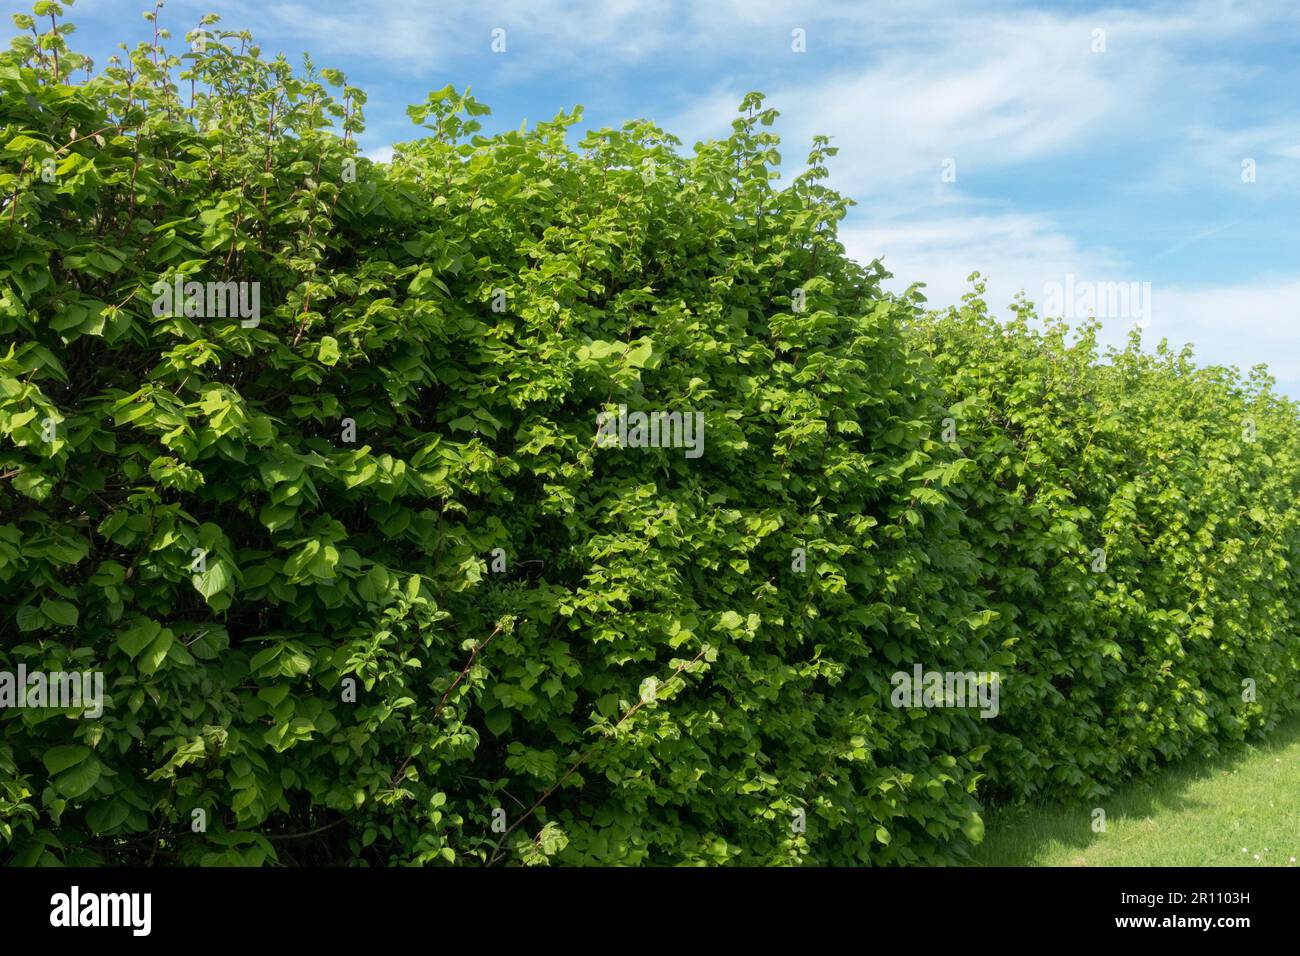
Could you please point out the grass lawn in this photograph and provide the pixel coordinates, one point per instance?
(1239, 809)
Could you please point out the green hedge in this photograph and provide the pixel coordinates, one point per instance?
(1138, 534)
(366, 586)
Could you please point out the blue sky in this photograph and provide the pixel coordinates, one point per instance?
(1114, 165)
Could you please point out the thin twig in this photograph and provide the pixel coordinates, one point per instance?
(442, 703)
(299, 836)
(496, 852)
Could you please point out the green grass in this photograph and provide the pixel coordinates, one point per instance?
(1196, 813)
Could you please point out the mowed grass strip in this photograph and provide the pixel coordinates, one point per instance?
(1241, 808)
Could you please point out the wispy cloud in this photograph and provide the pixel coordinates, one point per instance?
(1014, 253)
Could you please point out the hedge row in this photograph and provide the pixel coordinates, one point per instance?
(1136, 525)
(367, 583)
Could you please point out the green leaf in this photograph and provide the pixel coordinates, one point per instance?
(135, 639)
(214, 579)
(156, 653)
(107, 814)
(638, 355)
(60, 612)
(30, 618)
(61, 758)
(328, 352)
(76, 781)
(274, 694)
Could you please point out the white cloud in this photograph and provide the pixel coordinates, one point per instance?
(988, 91)
(1236, 324)
(1242, 324)
(1211, 158)
(1013, 253)
(422, 34)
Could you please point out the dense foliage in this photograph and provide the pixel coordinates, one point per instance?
(1137, 530)
(366, 587)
